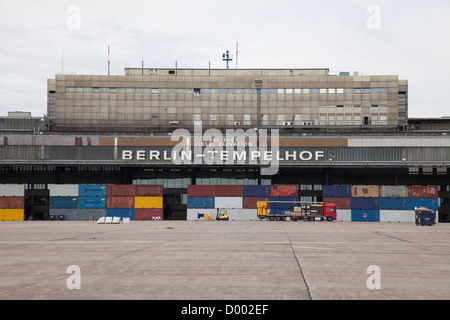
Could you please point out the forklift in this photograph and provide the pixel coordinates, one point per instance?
(222, 215)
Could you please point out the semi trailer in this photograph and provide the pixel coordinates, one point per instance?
(295, 210)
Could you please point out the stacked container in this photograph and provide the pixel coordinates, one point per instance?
(394, 204)
(91, 202)
(283, 198)
(365, 203)
(120, 201)
(200, 201)
(341, 196)
(12, 202)
(63, 201)
(148, 202)
(253, 194)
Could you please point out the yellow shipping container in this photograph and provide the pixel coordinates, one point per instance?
(148, 202)
(11, 214)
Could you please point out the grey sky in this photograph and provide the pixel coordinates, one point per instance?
(412, 41)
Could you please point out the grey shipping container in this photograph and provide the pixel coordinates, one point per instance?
(12, 190)
(78, 214)
(393, 192)
(63, 190)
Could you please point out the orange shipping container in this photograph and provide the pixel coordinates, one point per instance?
(422, 192)
(120, 202)
(11, 214)
(148, 202)
(148, 214)
(361, 191)
(121, 190)
(12, 202)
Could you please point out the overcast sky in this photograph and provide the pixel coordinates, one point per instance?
(408, 38)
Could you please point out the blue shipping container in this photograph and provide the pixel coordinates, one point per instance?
(200, 202)
(122, 213)
(366, 215)
(256, 191)
(394, 203)
(63, 202)
(92, 190)
(430, 203)
(92, 202)
(337, 191)
(366, 203)
(289, 203)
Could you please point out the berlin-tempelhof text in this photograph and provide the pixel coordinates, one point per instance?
(236, 147)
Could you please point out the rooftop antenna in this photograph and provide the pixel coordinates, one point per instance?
(109, 63)
(226, 57)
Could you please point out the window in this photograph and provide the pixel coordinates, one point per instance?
(112, 90)
(95, 90)
(331, 90)
(130, 90)
(163, 90)
(230, 91)
(222, 91)
(172, 90)
(348, 90)
(365, 90)
(197, 92)
(155, 90)
(323, 90)
(70, 89)
(306, 90)
(264, 91)
(197, 117)
(182, 90)
(213, 117)
(340, 90)
(271, 91)
(297, 90)
(87, 90)
(230, 117)
(383, 90)
(289, 90)
(79, 89)
(314, 90)
(121, 90)
(357, 90)
(247, 119)
(280, 90)
(104, 90)
(374, 90)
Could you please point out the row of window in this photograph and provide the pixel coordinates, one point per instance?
(197, 92)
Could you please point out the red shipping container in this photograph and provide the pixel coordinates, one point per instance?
(201, 191)
(149, 191)
(12, 202)
(228, 191)
(120, 202)
(341, 203)
(284, 191)
(121, 190)
(422, 191)
(148, 214)
(250, 202)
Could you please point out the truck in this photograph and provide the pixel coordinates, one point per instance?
(295, 210)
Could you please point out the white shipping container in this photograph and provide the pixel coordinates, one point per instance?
(12, 190)
(343, 215)
(393, 191)
(196, 214)
(63, 190)
(242, 214)
(397, 216)
(228, 202)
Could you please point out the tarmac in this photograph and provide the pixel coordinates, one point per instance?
(223, 260)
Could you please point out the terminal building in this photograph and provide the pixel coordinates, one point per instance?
(176, 128)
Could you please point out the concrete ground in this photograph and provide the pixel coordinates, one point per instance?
(217, 260)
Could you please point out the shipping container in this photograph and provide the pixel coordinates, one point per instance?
(397, 216)
(360, 191)
(92, 202)
(121, 190)
(63, 202)
(242, 214)
(148, 214)
(366, 203)
(201, 191)
(337, 191)
(422, 191)
(78, 214)
(250, 202)
(279, 205)
(11, 214)
(344, 215)
(119, 202)
(284, 191)
(121, 213)
(200, 202)
(366, 215)
(228, 191)
(195, 214)
(430, 203)
(12, 190)
(341, 203)
(228, 202)
(256, 191)
(92, 190)
(63, 190)
(394, 203)
(149, 190)
(393, 192)
(12, 202)
(148, 202)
